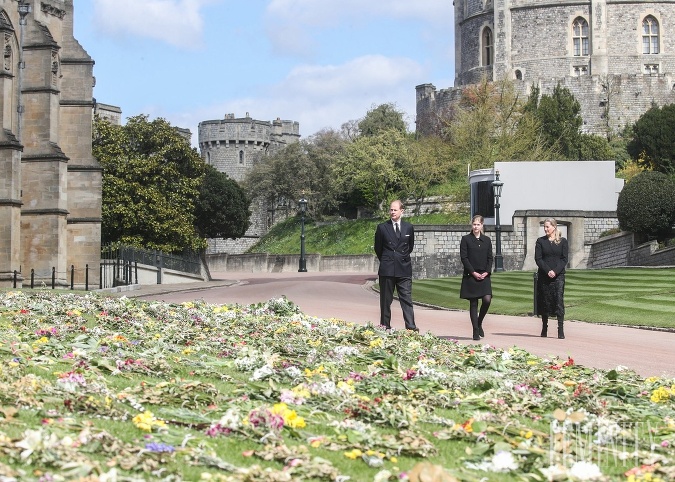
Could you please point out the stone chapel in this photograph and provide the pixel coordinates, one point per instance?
(50, 184)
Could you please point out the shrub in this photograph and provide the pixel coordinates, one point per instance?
(646, 205)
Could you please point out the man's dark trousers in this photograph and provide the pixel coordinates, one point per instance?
(404, 291)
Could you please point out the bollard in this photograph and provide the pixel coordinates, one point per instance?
(32, 278)
(86, 277)
(53, 277)
(72, 277)
(15, 279)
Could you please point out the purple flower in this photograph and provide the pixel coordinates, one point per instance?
(159, 447)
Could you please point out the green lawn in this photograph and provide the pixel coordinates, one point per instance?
(626, 296)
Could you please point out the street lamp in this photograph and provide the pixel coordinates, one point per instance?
(497, 191)
(303, 207)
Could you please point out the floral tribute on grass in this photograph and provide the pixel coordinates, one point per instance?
(96, 388)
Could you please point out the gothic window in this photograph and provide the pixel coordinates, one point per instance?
(580, 36)
(241, 157)
(519, 75)
(650, 35)
(487, 47)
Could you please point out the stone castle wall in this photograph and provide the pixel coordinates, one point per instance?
(533, 45)
(233, 146)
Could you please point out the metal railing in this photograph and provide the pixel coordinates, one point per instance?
(119, 264)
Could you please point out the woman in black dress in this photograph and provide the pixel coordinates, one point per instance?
(475, 251)
(550, 254)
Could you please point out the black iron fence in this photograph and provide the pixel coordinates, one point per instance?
(119, 264)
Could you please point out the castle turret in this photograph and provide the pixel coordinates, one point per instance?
(233, 145)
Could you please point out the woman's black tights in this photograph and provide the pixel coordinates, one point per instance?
(478, 316)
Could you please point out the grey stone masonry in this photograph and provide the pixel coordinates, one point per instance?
(50, 193)
(615, 70)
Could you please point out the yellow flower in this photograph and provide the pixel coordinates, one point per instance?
(146, 420)
(393, 460)
(661, 395)
(345, 387)
(291, 418)
(353, 454)
(187, 351)
(377, 342)
(652, 379)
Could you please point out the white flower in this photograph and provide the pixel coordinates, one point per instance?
(382, 476)
(504, 462)
(554, 472)
(261, 373)
(585, 471)
(506, 356)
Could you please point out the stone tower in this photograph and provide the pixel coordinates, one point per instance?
(233, 146)
(616, 57)
(50, 187)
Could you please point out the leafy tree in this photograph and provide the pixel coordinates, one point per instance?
(151, 177)
(491, 124)
(427, 161)
(646, 205)
(595, 148)
(560, 118)
(370, 167)
(302, 168)
(653, 143)
(222, 209)
(381, 118)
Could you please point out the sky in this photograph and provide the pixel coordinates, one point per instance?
(318, 62)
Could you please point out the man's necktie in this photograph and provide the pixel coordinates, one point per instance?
(398, 233)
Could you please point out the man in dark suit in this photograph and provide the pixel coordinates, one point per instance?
(394, 241)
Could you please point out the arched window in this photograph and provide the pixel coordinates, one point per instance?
(650, 35)
(241, 157)
(519, 75)
(580, 36)
(487, 47)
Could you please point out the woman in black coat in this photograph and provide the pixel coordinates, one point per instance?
(550, 254)
(475, 251)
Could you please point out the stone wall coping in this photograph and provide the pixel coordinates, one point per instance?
(611, 237)
(563, 213)
(453, 228)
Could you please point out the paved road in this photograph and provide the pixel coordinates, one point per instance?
(349, 296)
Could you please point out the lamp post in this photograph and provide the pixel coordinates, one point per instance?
(497, 191)
(303, 207)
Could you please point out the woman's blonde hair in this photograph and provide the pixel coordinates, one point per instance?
(554, 223)
(478, 217)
